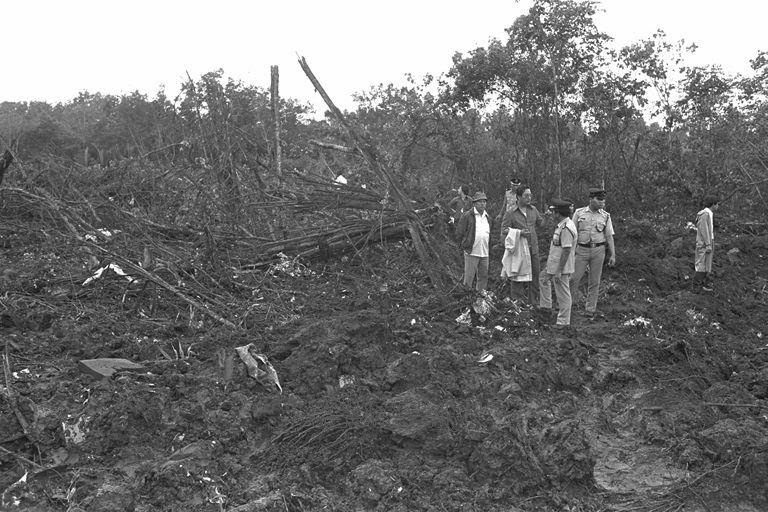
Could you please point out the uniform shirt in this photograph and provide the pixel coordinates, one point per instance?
(482, 234)
(527, 217)
(564, 236)
(592, 227)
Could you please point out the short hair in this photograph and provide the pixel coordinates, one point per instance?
(521, 190)
(710, 201)
(464, 189)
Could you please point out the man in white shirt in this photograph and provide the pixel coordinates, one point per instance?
(473, 232)
(705, 244)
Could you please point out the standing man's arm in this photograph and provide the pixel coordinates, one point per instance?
(506, 223)
(461, 227)
(609, 241)
(612, 259)
(567, 241)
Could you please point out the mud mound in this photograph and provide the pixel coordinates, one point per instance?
(514, 458)
(744, 443)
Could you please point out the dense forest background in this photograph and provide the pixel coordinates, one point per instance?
(556, 104)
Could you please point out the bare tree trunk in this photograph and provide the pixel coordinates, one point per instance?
(415, 226)
(5, 162)
(559, 171)
(275, 94)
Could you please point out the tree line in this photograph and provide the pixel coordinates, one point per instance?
(555, 104)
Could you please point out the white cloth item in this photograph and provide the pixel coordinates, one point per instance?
(482, 234)
(516, 263)
(705, 235)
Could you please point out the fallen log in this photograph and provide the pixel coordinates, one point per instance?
(336, 147)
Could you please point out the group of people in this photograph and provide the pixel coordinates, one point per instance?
(581, 241)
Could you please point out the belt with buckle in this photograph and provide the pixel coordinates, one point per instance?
(592, 245)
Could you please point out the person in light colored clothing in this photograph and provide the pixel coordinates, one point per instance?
(516, 262)
(525, 217)
(705, 244)
(594, 232)
(560, 264)
(473, 232)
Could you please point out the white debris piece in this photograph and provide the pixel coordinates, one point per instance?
(695, 316)
(113, 267)
(259, 367)
(485, 358)
(75, 430)
(484, 303)
(637, 322)
(464, 318)
(289, 266)
(341, 179)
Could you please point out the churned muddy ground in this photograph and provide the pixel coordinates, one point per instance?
(662, 405)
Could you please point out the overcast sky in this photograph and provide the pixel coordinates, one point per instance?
(56, 48)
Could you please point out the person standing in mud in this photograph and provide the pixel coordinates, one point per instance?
(525, 217)
(705, 244)
(473, 231)
(510, 200)
(560, 264)
(459, 204)
(595, 232)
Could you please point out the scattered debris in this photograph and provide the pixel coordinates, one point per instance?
(289, 266)
(637, 322)
(105, 367)
(734, 256)
(75, 431)
(464, 318)
(113, 267)
(259, 367)
(485, 358)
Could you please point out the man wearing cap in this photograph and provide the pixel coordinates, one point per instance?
(473, 231)
(560, 264)
(525, 217)
(510, 200)
(595, 232)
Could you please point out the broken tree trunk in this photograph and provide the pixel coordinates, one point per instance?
(415, 227)
(337, 147)
(275, 94)
(5, 162)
